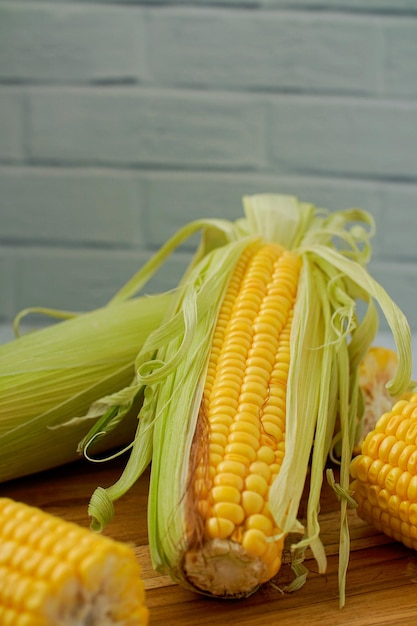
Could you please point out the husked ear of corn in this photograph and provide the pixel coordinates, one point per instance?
(385, 473)
(56, 572)
(51, 376)
(251, 380)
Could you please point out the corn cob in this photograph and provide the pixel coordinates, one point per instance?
(241, 439)
(258, 362)
(56, 573)
(385, 473)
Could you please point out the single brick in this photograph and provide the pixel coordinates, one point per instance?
(70, 206)
(12, 111)
(70, 43)
(399, 57)
(355, 137)
(267, 50)
(135, 126)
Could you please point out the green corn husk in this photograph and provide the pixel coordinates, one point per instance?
(52, 375)
(329, 339)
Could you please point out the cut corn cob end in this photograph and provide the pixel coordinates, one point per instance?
(240, 445)
(385, 474)
(377, 368)
(56, 573)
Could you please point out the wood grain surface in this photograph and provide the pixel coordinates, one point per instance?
(381, 583)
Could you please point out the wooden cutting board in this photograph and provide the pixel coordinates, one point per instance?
(381, 584)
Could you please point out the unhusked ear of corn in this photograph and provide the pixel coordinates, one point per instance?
(50, 377)
(253, 378)
(385, 473)
(53, 572)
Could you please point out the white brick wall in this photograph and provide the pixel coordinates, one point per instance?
(120, 120)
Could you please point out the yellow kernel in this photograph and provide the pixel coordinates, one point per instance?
(383, 474)
(240, 449)
(266, 455)
(361, 466)
(216, 449)
(394, 505)
(272, 429)
(374, 470)
(275, 467)
(259, 372)
(383, 497)
(260, 522)
(255, 482)
(254, 542)
(215, 459)
(249, 397)
(222, 415)
(218, 439)
(408, 409)
(227, 478)
(403, 510)
(395, 526)
(273, 567)
(219, 527)
(412, 514)
(217, 427)
(230, 510)
(240, 436)
(384, 521)
(395, 453)
(412, 462)
(393, 424)
(392, 478)
(233, 467)
(259, 361)
(274, 414)
(385, 447)
(225, 493)
(251, 386)
(372, 493)
(403, 428)
(399, 406)
(412, 488)
(402, 484)
(411, 435)
(273, 549)
(252, 502)
(249, 415)
(223, 401)
(242, 425)
(405, 455)
(261, 469)
(383, 421)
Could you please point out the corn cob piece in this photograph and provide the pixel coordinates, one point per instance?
(242, 416)
(385, 474)
(377, 368)
(56, 573)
